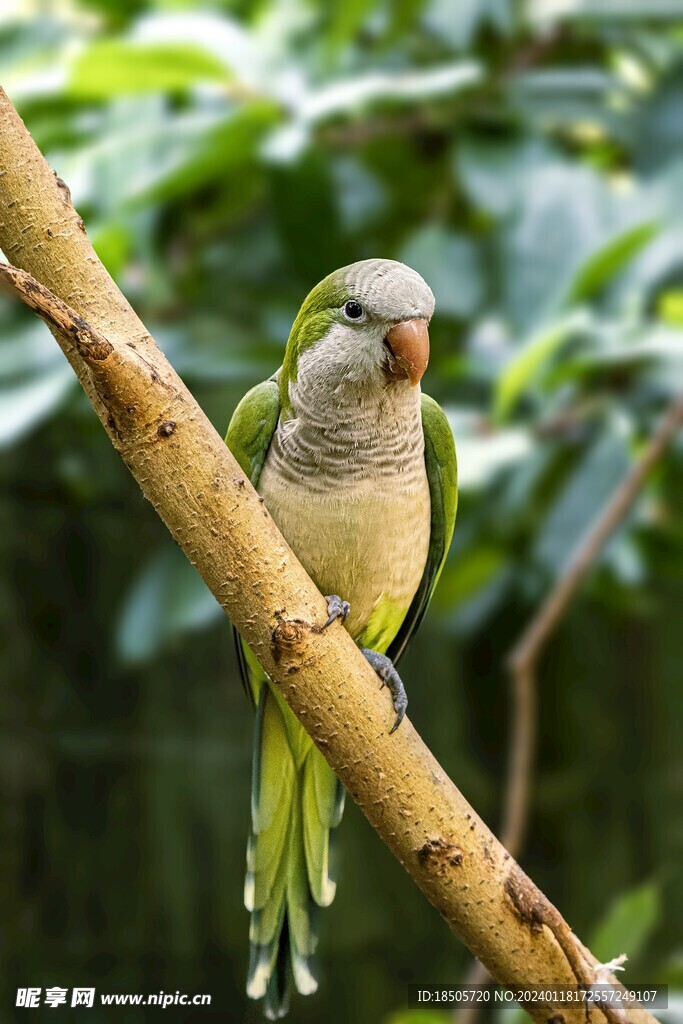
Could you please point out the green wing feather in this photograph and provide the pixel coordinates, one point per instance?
(442, 474)
(296, 797)
(252, 427)
(250, 432)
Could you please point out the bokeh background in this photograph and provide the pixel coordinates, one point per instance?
(527, 159)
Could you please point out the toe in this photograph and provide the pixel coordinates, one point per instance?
(336, 609)
(400, 714)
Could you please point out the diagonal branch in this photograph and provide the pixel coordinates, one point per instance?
(198, 489)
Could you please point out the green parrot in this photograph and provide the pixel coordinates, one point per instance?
(358, 470)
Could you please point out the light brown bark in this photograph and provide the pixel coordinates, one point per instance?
(184, 468)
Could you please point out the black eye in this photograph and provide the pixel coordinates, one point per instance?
(352, 310)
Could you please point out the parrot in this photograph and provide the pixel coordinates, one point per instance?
(358, 470)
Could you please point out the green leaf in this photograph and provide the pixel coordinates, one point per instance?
(541, 12)
(225, 150)
(483, 454)
(658, 350)
(526, 365)
(608, 261)
(670, 308)
(466, 575)
(451, 264)
(361, 196)
(303, 193)
(494, 172)
(566, 213)
(27, 350)
(628, 924)
(112, 68)
(419, 1017)
(589, 486)
(112, 243)
(351, 97)
(355, 93)
(659, 133)
(460, 23)
(167, 600)
(26, 405)
(346, 21)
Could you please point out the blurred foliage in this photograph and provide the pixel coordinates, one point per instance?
(527, 159)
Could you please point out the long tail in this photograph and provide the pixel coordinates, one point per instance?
(296, 800)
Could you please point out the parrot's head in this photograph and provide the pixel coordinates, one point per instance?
(365, 324)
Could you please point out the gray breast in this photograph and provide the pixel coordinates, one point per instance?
(350, 495)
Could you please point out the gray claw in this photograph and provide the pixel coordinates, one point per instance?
(336, 609)
(384, 667)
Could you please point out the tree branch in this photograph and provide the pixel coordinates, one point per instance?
(198, 489)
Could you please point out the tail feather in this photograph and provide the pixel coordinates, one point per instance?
(274, 778)
(276, 1002)
(320, 812)
(273, 763)
(262, 957)
(296, 800)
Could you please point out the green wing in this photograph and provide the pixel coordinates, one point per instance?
(252, 427)
(250, 432)
(442, 474)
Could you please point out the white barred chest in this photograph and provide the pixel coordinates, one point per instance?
(363, 539)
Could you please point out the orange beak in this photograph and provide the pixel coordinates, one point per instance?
(408, 344)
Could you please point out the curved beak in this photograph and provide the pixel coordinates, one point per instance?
(408, 345)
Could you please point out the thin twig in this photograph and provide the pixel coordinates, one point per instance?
(61, 318)
(523, 659)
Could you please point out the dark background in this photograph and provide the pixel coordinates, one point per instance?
(225, 158)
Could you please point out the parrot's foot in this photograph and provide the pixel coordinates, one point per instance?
(336, 609)
(384, 667)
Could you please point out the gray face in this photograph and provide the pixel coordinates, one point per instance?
(389, 291)
(354, 350)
